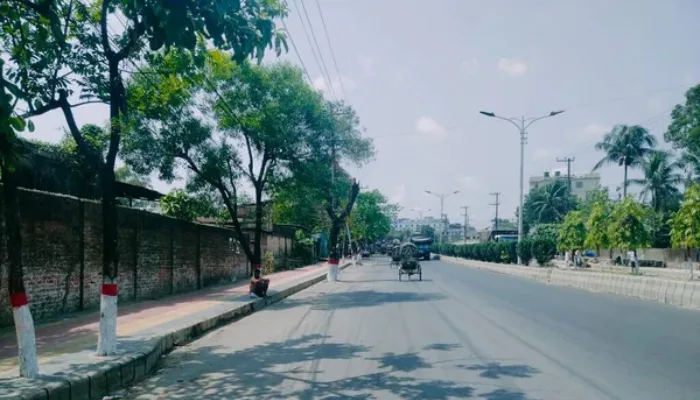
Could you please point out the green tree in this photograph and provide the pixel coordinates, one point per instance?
(684, 130)
(266, 123)
(572, 232)
(95, 62)
(545, 231)
(661, 180)
(524, 249)
(428, 231)
(338, 139)
(543, 250)
(628, 225)
(685, 225)
(181, 205)
(548, 204)
(599, 195)
(368, 221)
(626, 146)
(597, 226)
(297, 203)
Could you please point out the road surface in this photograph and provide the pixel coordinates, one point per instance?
(460, 333)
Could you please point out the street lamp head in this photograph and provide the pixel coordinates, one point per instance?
(455, 192)
(553, 113)
(428, 191)
(488, 114)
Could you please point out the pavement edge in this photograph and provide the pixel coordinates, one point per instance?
(129, 369)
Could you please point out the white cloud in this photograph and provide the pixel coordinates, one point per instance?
(542, 153)
(399, 195)
(348, 84)
(429, 126)
(512, 66)
(470, 66)
(367, 65)
(593, 131)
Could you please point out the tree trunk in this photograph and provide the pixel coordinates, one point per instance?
(24, 324)
(624, 184)
(256, 260)
(107, 339)
(333, 254)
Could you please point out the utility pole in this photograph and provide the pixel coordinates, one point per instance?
(442, 197)
(522, 124)
(495, 221)
(568, 161)
(466, 221)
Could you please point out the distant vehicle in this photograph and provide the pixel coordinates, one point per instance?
(423, 244)
(490, 235)
(365, 253)
(505, 238)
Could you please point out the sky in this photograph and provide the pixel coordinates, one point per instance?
(419, 72)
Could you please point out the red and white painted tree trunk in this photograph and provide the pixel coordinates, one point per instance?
(107, 340)
(333, 270)
(26, 338)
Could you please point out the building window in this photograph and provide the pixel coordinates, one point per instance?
(579, 185)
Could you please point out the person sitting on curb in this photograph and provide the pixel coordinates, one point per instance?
(258, 284)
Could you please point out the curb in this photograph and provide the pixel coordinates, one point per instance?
(684, 294)
(124, 371)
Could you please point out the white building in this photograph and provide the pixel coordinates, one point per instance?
(403, 224)
(581, 184)
(455, 232)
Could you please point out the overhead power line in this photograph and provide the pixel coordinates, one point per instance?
(330, 45)
(319, 63)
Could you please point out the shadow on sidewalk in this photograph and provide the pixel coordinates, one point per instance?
(54, 334)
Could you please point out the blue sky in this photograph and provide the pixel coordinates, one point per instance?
(418, 72)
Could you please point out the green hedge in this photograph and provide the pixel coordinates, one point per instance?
(543, 250)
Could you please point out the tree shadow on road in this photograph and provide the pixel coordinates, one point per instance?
(442, 346)
(496, 370)
(406, 362)
(504, 394)
(355, 299)
(290, 369)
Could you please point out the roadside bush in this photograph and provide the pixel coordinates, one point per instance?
(511, 249)
(506, 253)
(544, 250)
(524, 250)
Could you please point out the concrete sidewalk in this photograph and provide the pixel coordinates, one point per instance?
(147, 329)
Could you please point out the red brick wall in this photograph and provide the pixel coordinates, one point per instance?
(158, 256)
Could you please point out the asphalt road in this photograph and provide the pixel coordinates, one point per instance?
(460, 333)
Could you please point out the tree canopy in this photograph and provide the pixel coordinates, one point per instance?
(597, 226)
(685, 225)
(684, 129)
(369, 219)
(628, 228)
(572, 232)
(626, 146)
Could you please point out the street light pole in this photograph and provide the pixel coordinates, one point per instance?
(522, 124)
(442, 197)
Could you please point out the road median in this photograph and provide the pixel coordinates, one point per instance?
(83, 376)
(685, 294)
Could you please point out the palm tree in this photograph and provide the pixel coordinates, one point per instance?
(662, 177)
(551, 203)
(626, 146)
